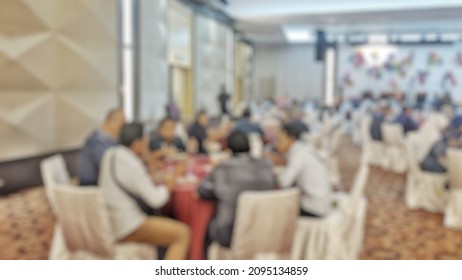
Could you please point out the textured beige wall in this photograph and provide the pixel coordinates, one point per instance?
(58, 72)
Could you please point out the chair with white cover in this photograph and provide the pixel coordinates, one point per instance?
(84, 230)
(430, 133)
(256, 145)
(453, 211)
(54, 172)
(356, 120)
(373, 152)
(424, 190)
(340, 235)
(331, 141)
(393, 137)
(264, 226)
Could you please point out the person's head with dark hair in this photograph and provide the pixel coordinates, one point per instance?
(202, 118)
(132, 136)
(113, 123)
(238, 142)
(300, 126)
(167, 129)
(287, 136)
(247, 114)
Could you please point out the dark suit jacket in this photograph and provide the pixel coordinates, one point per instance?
(226, 183)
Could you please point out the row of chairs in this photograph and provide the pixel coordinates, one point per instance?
(387, 154)
(424, 190)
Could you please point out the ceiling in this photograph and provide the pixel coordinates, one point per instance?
(265, 21)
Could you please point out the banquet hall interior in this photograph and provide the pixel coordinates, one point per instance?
(230, 129)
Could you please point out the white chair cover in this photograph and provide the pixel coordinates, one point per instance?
(454, 168)
(264, 226)
(430, 133)
(453, 211)
(339, 235)
(54, 172)
(356, 120)
(424, 190)
(327, 142)
(393, 137)
(84, 231)
(373, 152)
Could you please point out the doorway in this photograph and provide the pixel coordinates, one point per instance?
(181, 89)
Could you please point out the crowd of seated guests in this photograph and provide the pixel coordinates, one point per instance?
(118, 157)
(381, 112)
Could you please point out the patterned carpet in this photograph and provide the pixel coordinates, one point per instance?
(392, 231)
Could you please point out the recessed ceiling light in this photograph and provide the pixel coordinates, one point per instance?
(298, 35)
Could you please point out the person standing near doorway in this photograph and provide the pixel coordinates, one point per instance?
(223, 98)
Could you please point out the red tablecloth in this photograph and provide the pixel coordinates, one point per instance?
(194, 212)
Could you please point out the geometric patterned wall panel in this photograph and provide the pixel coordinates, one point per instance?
(58, 65)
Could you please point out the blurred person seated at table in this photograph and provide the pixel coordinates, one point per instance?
(165, 143)
(199, 133)
(128, 190)
(96, 145)
(228, 180)
(406, 120)
(305, 169)
(245, 124)
(378, 119)
(435, 161)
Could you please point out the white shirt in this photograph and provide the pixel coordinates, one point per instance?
(305, 169)
(125, 214)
